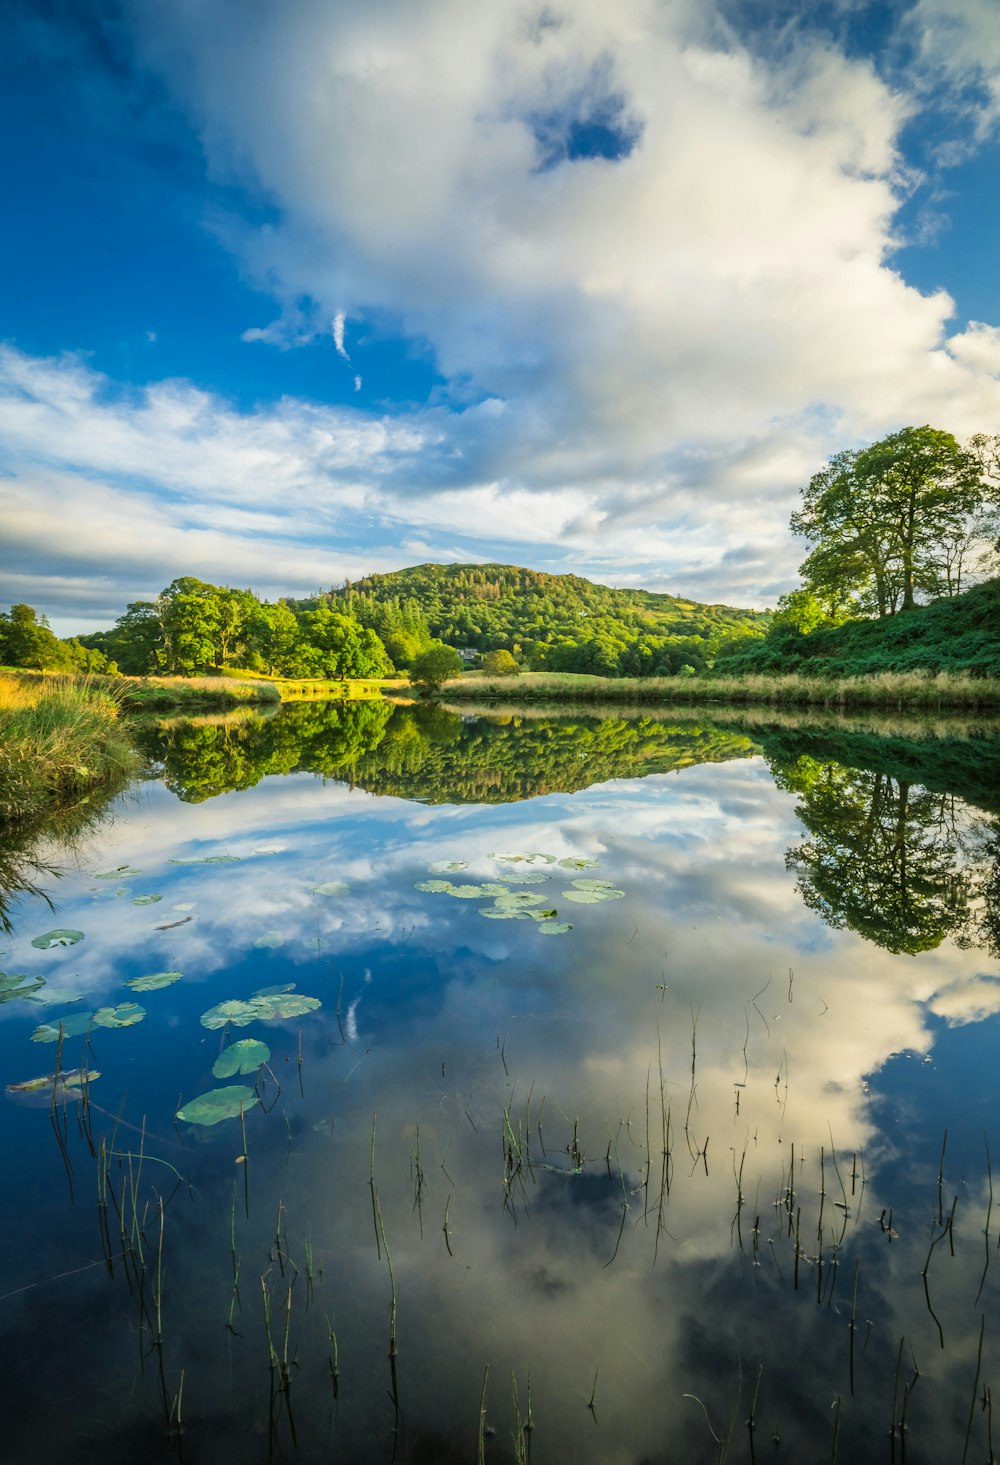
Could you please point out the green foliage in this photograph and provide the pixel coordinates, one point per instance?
(957, 634)
(433, 667)
(893, 521)
(552, 622)
(500, 664)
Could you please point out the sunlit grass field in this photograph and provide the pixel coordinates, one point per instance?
(892, 691)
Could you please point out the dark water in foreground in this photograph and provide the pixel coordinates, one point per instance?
(719, 1152)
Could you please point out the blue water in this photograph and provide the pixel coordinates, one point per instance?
(522, 1088)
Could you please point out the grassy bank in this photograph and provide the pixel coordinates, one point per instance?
(890, 691)
(62, 740)
(192, 694)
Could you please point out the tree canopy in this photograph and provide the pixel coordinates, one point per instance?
(901, 519)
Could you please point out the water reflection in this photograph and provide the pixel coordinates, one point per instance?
(690, 1148)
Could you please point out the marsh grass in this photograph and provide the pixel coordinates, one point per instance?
(892, 691)
(61, 741)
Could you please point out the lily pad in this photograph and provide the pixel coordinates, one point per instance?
(524, 877)
(531, 858)
(72, 1079)
(246, 1056)
(185, 905)
(154, 981)
(470, 892)
(120, 872)
(72, 1025)
(18, 984)
(331, 887)
(125, 1015)
(208, 860)
(269, 849)
(274, 991)
(146, 899)
(504, 913)
(554, 928)
(593, 884)
(516, 898)
(218, 1104)
(573, 863)
(292, 1004)
(240, 1014)
(263, 1008)
(435, 887)
(53, 996)
(57, 938)
(447, 867)
(270, 941)
(592, 897)
(549, 915)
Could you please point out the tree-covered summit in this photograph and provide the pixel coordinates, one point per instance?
(552, 622)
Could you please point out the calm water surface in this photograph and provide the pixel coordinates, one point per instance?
(718, 1153)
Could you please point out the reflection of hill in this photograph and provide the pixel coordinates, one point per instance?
(428, 754)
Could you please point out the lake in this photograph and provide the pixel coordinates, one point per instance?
(427, 1087)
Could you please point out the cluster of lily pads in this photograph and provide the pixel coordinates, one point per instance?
(246, 1055)
(522, 905)
(243, 1056)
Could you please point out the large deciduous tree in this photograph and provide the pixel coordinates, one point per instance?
(887, 522)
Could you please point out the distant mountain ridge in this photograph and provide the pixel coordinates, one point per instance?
(560, 622)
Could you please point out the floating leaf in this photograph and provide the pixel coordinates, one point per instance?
(524, 877)
(291, 1005)
(54, 996)
(520, 898)
(262, 1008)
(218, 1104)
(240, 1014)
(331, 887)
(269, 849)
(504, 913)
(246, 1056)
(72, 1025)
(120, 872)
(125, 1015)
(146, 899)
(572, 863)
(471, 892)
(154, 981)
(170, 925)
(67, 1078)
(447, 867)
(18, 984)
(270, 940)
(185, 905)
(554, 928)
(593, 884)
(57, 938)
(435, 887)
(592, 897)
(532, 858)
(207, 860)
(273, 991)
(544, 915)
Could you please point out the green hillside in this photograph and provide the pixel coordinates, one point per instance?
(552, 622)
(957, 634)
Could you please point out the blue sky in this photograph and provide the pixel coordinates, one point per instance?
(291, 292)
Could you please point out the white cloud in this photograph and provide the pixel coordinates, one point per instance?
(644, 355)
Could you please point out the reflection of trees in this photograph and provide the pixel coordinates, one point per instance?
(902, 866)
(33, 853)
(427, 753)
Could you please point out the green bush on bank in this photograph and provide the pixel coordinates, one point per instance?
(60, 741)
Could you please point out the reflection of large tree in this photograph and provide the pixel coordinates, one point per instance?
(885, 858)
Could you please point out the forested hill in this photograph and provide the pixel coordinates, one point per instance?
(560, 622)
